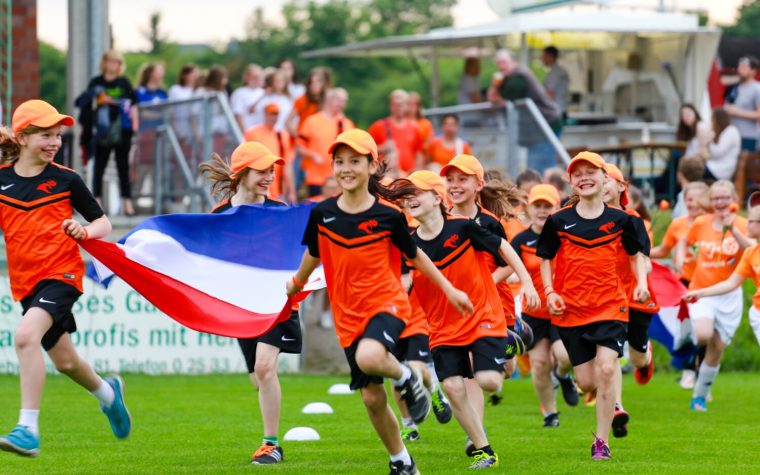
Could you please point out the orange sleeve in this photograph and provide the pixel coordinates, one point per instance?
(744, 268)
(287, 147)
(305, 133)
(467, 149)
(377, 131)
(670, 239)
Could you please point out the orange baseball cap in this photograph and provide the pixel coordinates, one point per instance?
(253, 155)
(594, 159)
(272, 108)
(39, 114)
(429, 181)
(544, 192)
(616, 174)
(467, 164)
(358, 140)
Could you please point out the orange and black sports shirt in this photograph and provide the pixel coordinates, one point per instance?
(459, 252)
(496, 226)
(31, 212)
(361, 257)
(585, 253)
(524, 245)
(629, 277)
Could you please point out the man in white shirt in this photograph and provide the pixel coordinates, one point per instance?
(744, 103)
(246, 95)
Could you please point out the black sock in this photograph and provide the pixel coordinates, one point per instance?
(487, 449)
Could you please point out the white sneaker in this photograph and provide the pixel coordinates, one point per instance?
(688, 378)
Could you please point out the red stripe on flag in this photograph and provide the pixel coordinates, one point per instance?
(184, 304)
(666, 286)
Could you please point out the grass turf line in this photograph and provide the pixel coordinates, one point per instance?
(211, 424)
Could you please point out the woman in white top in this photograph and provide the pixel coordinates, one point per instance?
(247, 94)
(723, 149)
(275, 92)
(295, 90)
(694, 131)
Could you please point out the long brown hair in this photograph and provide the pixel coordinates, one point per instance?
(685, 132)
(720, 120)
(10, 149)
(326, 77)
(500, 196)
(219, 173)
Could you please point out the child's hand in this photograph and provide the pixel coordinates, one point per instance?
(460, 301)
(691, 296)
(641, 293)
(291, 288)
(74, 229)
(530, 297)
(555, 303)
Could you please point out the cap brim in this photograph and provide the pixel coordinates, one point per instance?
(267, 161)
(462, 169)
(575, 162)
(53, 119)
(358, 148)
(547, 199)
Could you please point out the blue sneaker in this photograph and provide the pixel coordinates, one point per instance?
(21, 441)
(118, 415)
(698, 404)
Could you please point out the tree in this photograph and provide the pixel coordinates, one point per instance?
(157, 38)
(747, 21)
(52, 75)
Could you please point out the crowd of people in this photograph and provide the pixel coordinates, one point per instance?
(439, 272)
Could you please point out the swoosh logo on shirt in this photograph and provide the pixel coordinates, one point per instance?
(568, 226)
(530, 243)
(5, 187)
(328, 220)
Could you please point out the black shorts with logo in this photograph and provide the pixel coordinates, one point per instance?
(638, 330)
(542, 328)
(581, 341)
(384, 328)
(488, 354)
(285, 335)
(57, 298)
(413, 348)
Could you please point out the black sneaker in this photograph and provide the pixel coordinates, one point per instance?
(267, 455)
(620, 423)
(552, 420)
(412, 434)
(416, 397)
(569, 389)
(398, 468)
(441, 406)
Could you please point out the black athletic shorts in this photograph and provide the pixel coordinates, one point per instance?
(638, 330)
(57, 298)
(413, 348)
(581, 341)
(488, 354)
(285, 335)
(384, 328)
(542, 328)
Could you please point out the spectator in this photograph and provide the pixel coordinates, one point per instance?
(116, 122)
(288, 68)
(275, 92)
(317, 83)
(442, 149)
(690, 170)
(694, 131)
(512, 82)
(557, 177)
(557, 80)
(215, 82)
(469, 90)
(744, 103)
(279, 142)
(246, 95)
(724, 148)
(398, 138)
(183, 90)
(414, 112)
(317, 133)
(150, 90)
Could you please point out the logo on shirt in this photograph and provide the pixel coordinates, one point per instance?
(5, 187)
(607, 227)
(47, 187)
(328, 220)
(368, 226)
(568, 226)
(452, 241)
(531, 243)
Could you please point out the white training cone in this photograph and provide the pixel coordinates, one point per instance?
(317, 408)
(340, 389)
(301, 433)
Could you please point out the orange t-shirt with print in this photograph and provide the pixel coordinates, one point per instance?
(717, 251)
(749, 268)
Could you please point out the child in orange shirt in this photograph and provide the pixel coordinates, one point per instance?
(359, 238)
(579, 247)
(720, 239)
(441, 149)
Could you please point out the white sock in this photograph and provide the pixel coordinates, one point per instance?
(403, 456)
(104, 394)
(705, 379)
(433, 377)
(29, 418)
(406, 373)
(408, 422)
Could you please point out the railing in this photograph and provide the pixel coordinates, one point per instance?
(174, 138)
(501, 134)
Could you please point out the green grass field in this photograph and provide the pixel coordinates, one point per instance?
(210, 424)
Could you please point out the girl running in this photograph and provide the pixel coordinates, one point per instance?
(452, 243)
(543, 200)
(748, 268)
(359, 238)
(37, 198)
(639, 314)
(579, 248)
(246, 181)
(720, 239)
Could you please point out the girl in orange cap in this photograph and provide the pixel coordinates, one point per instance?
(246, 181)
(359, 238)
(579, 248)
(37, 198)
(543, 200)
(458, 246)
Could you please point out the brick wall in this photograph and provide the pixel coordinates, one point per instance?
(26, 61)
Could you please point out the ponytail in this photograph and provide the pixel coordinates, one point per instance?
(219, 173)
(394, 191)
(500, 197)
(9, 148)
